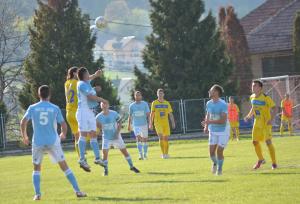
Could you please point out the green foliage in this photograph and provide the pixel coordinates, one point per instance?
(184, 53)
(3, 109)
(60, 38)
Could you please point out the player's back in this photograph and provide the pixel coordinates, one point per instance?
(44, 116)
(84, 89)
(71, 94)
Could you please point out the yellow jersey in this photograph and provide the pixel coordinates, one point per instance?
(161, 112)
(261, 106)
(71, 94)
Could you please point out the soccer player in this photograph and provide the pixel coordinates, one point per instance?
(287, 114)
(109, 122)
(44, 116)
(87, 101)
(217, 125)
(161, 111)
(139, 115)
(263, 110)
(72, 101)
(233, 117)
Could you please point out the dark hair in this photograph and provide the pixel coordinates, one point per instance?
(71, 72)
(137, 92)
(218, 88)
(259, 82)
(44, 91)
(81, 72)
(160, 90)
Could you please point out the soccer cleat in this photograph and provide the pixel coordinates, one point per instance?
(274, 166)
(99, 162)
(105, 173)
(135, 170)
(145, 157)
(84, 165)
(37, 197)
(141, 157)
(167, 156)
(163, 156)
(81, 194)
(219, 173)
(214, 168)
(258, 164)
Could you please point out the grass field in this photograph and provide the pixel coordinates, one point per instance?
(185, 178)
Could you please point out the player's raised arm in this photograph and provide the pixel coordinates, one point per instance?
(96, 98)
(97, 74)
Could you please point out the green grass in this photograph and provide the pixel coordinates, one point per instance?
(185, 178)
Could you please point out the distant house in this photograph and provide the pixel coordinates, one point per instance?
(269, 30)
(123, 54)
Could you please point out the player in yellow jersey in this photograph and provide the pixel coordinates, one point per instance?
(161, 111)
(287, 114)
(263, 110)
(72, 100)
(233, 117)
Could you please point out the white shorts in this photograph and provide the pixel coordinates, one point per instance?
(141, 131)
(55, 151)
(117, 143)
(220, 138)
(86, 120)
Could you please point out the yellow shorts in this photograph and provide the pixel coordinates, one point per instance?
(285, 119)
(163, 130)
(235, 124)
(72, 121)
(262, 134)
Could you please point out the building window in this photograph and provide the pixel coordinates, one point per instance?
(278, 66)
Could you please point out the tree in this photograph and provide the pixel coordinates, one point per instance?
(237, 47)
(184, 53)
(296, 41)
(59, 39)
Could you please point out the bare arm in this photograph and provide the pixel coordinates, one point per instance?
(23, 127)
(250, 114)
(96, 98)
(129, 123)
(98, 73)
(203, 123)
(64, 130)
(171, 116)
(152, 115)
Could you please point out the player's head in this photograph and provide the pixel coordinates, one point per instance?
(104, 105)
(257, 86)
(138, 96)
(44, 92)
(83, 74)
(160, 94)
(98, 88)
(231, 99)
(215, 91)
(287, 95)
(72, 73)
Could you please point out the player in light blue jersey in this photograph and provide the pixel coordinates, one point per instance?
(45, 116)
(216, 123)
(139, 115)
(109, 122)
(87, 102)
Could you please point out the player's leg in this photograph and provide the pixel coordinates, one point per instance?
(159, 132)
(220, 160)
(139, 145)
(145, 146)
(231, 131)
(128, 158)
(71, 119)
(258, 135)
(212, 154)
(290, 127)
(37, 157)
(272, 153)
(95, 147)
(105, 149)
(237, 131)
(282, 124)
(166, 134)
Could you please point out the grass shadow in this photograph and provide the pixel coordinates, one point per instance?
(138, 199)
(279, 173)
(185, 181)
(189, 157)
(169, 173)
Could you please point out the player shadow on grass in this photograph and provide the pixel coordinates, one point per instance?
(279, 173)
(140, 199)
(169, 173)
(189, 157)
(185, 181)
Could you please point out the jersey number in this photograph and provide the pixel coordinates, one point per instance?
(44, 118)
(71, 95)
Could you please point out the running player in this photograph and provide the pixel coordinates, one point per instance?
(44, 116)
(217, 125)
(87, 101)
(139, 115)
(286, 114)
(233, 117)
(263, 110)
(72, 101)
(109, 122)
(161, 111)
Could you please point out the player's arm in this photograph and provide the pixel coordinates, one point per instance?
(152, 115)
(171, 116)
(204, 124)
(99, 126)
(63, 130)
(97, 74)
(119, 126)
(66, 94)
(129, 123)
(273, 115)
(96, 98)
(249, 115)
(23, 127)
(222, 120)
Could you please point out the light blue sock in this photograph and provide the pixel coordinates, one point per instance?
(220, 164)
(105, 164)
(70, 176)
(95, 146)
(214, 159)
(140, 148)
(36, 180)
(145, 148)
(82, 146)
(129, 160)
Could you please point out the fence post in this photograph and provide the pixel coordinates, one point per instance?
(2, 128)
(182, 116)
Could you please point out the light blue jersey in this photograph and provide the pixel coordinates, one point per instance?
(84, 89)
(44, 116)
(138, 113)
(109, 124)
(215, 110)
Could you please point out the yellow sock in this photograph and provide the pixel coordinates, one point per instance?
(76, 148)
(281, 129)
(166, 146)
(258, 151)
(162, 146)
(238, 133)
(272, 153)
(231, 134)
(290, 128)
